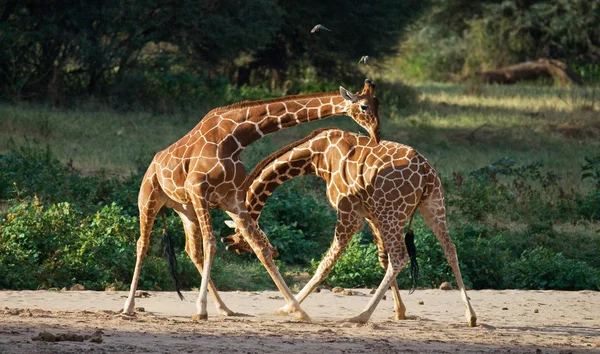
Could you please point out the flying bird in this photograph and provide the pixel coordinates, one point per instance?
(319, 27)
(364, 59)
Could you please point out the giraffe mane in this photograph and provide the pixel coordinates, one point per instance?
(248, 104)
(267, 160)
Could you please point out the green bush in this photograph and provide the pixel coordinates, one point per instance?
(34, 242)
(488, 34)
(358, 266)
(30, 171)
(431, 53)
(297, 224)
(65, 228)
(542, 269)
(57, 246)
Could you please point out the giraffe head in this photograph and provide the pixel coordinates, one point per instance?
(237, 243)
(364, 108)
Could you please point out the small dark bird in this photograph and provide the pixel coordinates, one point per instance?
(364, 59)
(319, 27)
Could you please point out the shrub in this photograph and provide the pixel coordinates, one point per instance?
(30, 171)
(358, 266)
(542, 269)
(34, 242)
(297, 224)
(57, 246)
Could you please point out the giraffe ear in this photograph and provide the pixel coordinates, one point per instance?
(230, 223)
(347, 95)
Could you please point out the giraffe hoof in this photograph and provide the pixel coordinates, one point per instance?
(199, 317)
(232, 314)
(285, 310)
(357, 319)
(301, 316)
(473, 322)
(400, 317)
(126, 315)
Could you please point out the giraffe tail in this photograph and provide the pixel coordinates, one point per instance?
(409, 241)
(169, 255)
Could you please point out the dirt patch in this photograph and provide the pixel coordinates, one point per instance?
(534, 321)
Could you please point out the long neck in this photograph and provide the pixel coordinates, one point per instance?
(253, 120)
(296, 163)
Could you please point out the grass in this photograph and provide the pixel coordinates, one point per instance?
(458, 128)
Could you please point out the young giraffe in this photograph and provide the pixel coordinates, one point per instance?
(382, 182)
(203, 170)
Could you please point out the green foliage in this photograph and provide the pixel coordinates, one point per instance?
(57, 246)
(230, 274)
(63, 51)
(90, 236)
(65, 228)
(30, 171)
(525, 193)
(358, 267)
(489, 34)
(591, 170)
(541, 269)
(430, 53)
(297, 223)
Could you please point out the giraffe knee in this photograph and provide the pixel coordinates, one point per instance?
(141, 246)
(383, 260)
(210, 247)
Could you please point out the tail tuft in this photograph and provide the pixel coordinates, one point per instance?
(409, 240)
(169, 255)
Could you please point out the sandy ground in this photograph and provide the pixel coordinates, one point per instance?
(509, 321)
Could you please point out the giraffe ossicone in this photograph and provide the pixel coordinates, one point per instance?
(203, 170)
(384, 183)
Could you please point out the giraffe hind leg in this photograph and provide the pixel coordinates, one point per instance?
(397, 259)
(206, 244)
(434, 214)
(192, 232)
(399, 308)
(259, 243)
(347, 224)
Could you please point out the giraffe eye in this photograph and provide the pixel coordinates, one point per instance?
(364, 108)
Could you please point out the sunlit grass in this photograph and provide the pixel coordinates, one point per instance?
(457, 127)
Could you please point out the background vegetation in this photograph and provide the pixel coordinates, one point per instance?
(90, 91)
(457, 37)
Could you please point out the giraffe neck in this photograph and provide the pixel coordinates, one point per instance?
(299, 162)
(253, 120)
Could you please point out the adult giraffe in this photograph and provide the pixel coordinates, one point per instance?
(203, 170)
(382, 182)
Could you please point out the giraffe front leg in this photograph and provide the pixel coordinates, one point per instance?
(347, 224)
(259, 243)
(394, 267)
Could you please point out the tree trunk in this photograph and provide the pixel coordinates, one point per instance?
(530, 70)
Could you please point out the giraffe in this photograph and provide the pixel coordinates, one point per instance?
(203, 170)
(385, 183)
